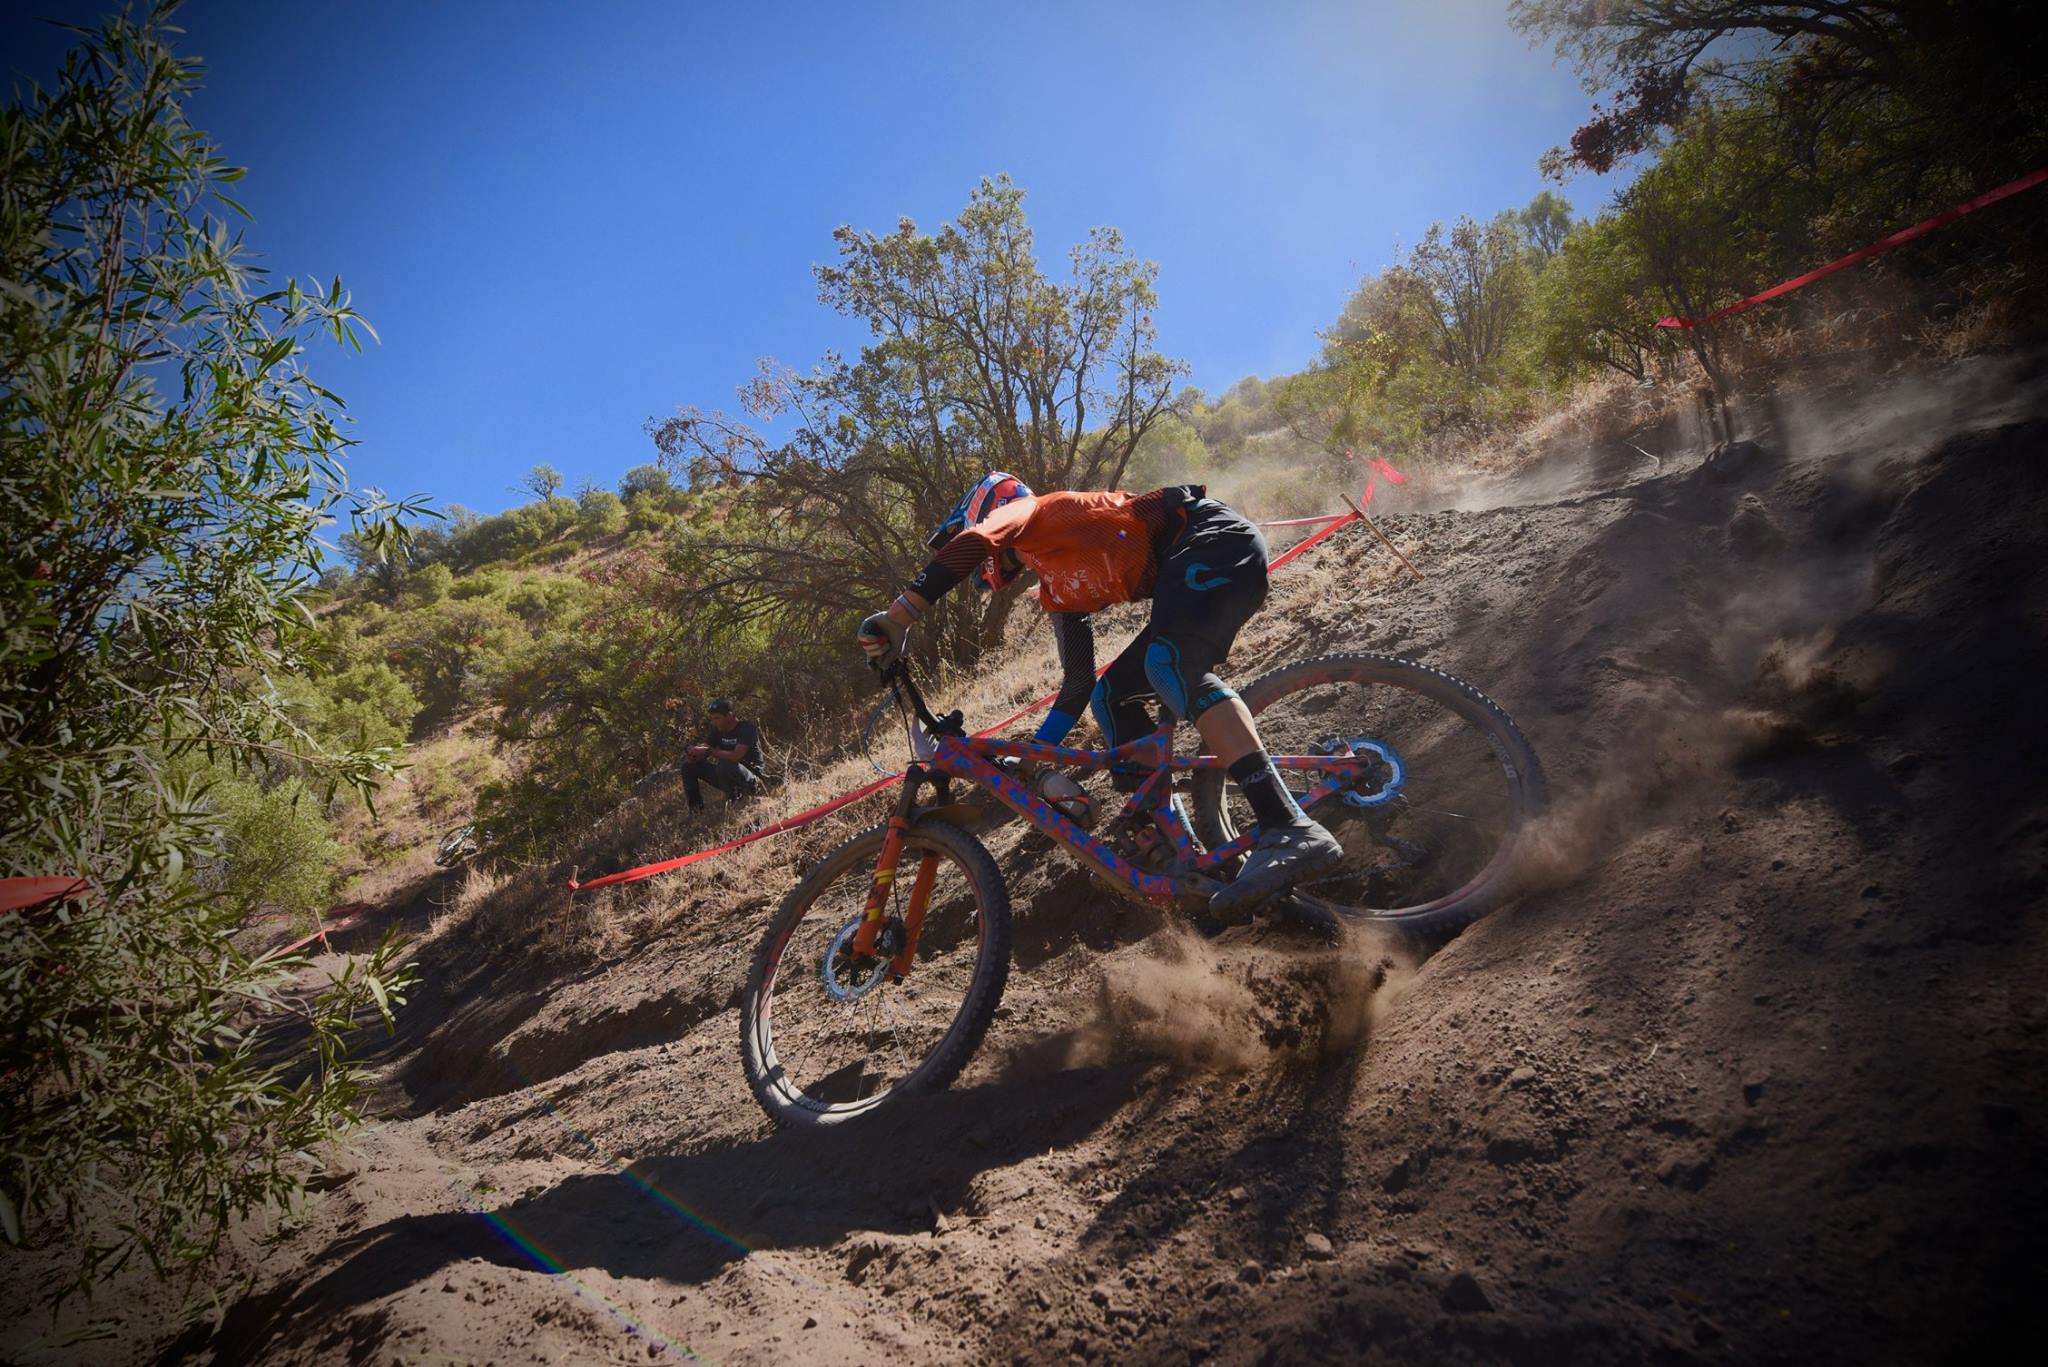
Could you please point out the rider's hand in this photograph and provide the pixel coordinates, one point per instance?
(882, 638)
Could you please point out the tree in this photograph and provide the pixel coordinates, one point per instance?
(1545, 222)
(1590, 306)
(166, 466)
(979, 361)
(645, 480)
(542, 481)
(600, 513)
(1471, 281)
(442, 649)
(1711, 217)
(1953, 80)
(374, 565)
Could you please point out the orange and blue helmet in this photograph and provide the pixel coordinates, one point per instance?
(995, 489)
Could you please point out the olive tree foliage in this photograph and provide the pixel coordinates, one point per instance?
(979, 360)
(166, 467)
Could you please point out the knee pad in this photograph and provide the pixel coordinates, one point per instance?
(1163, 670)
(1105, 715)
(1168, 673)
(1189, 698)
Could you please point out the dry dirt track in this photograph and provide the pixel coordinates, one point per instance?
(1757, 1076)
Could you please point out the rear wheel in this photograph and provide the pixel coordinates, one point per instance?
(828, 1036)
(1433, 823)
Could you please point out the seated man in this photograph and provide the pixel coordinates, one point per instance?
(1204, 568)
(728, 758)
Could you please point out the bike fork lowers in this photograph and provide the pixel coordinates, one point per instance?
(885, 880)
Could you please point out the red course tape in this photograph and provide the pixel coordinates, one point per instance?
(17, 894)
(1899, 238)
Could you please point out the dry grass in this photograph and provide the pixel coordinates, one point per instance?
(391, 852)
(531, 905)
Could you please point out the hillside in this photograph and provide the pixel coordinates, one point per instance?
(1757, 1074)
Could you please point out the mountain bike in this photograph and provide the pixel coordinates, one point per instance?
(460, 845)
(864, 991)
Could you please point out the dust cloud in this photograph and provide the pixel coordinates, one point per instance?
(1223, 1007)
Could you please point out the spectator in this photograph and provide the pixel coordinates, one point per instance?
(728, 758)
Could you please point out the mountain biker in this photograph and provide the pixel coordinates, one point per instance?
(1204, 568)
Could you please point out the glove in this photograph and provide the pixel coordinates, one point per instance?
(882, 639)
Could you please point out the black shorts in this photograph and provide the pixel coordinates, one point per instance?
(1212, 578)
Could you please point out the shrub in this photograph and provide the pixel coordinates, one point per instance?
(429, 584)
(169, 462)
(650, 481)
(276, 852)
(369, 704)
(483, 584)
(600, 513)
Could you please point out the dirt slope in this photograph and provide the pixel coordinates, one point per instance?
(1758, 1075)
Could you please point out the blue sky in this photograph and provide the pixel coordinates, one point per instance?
(564, 219)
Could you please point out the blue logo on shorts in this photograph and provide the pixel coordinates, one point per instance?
(1199, 586)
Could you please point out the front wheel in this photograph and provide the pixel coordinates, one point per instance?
(828, 1036)
(1432, 825)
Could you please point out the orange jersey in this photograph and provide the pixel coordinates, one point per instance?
(1089, 549)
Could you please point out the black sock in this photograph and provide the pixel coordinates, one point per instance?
(1261, 785)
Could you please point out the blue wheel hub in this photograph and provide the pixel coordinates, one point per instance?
(1389, 772)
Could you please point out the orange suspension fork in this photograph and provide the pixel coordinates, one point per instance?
(878, 891)
(913, 919)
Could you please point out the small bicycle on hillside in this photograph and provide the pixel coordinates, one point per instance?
(861, 992)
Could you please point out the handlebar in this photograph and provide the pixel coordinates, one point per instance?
(897, 678)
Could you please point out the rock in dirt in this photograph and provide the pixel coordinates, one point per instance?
(1318, 1246)
(1464, 1295)
(864, 1253)
(1251, 1273)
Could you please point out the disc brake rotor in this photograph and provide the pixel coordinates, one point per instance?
(847, 976)
(1389, 772)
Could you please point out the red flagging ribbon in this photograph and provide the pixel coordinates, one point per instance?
(17, 894)
(790, 823)
(1904, 235)
(1375, 469)
(356, 913)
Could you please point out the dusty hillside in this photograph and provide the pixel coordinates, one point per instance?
(1757, 1074)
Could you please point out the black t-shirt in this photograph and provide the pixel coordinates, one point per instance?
(723, 742)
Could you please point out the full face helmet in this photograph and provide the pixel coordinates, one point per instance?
(995, 489)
